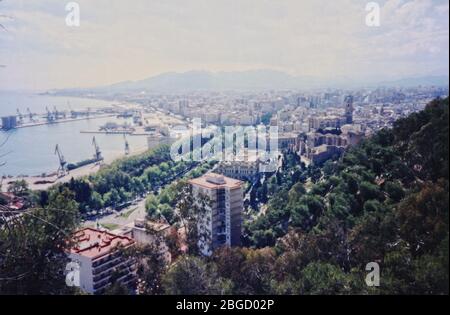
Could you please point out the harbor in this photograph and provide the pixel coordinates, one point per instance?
(44, 181)
(20, 120)
(29, 142)
(28, 149)
(35, 124)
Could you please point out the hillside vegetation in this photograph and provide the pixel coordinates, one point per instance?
(384, 201)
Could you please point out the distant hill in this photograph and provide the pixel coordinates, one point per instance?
(242, 80)
(422, 81)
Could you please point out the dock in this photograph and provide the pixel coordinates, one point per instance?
(60, 121)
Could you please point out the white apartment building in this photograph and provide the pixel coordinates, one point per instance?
(95, 252)
(147, 232)
(242, 170)
(223, 219)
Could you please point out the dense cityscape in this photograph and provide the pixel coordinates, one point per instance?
(148, 208)
(289, 167)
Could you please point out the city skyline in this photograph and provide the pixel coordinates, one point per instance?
(117, 41)
(230, 149)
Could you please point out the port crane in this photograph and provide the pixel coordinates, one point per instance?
(127, 145)
(98, 154)
(49, 115)
(19, 114)
(73, 114)
(30, 114)
(55, 112)
(62, 162)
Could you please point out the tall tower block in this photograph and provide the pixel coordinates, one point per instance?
(348, 103)
(221, 224)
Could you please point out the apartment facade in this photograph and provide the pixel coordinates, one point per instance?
(223, 218)
(98, 258)
(146, 232)
(242, 170)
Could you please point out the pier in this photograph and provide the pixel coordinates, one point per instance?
(60, 121)
(20, 120)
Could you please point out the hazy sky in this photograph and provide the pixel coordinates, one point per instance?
(129, 40)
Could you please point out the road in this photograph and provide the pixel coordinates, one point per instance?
(127, 215)
(121, 218)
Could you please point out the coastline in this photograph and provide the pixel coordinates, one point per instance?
(153, 117)
(39, 182)
(61, 121)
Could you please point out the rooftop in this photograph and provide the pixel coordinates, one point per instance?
(93, 243)
(153, 225)
(216, 181)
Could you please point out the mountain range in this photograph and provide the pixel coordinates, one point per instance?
(245, 80)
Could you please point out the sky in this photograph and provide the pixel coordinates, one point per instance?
(131, 40)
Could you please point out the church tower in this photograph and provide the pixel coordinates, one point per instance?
(348, 103)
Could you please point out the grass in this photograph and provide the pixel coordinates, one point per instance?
(110, 226)
(127, 214)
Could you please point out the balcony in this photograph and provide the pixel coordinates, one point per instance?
(127, 269)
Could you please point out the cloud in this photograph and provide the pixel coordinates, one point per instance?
(123, 40)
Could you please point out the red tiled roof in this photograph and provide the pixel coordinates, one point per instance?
(95, 243)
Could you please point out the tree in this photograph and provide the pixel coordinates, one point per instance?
(137, 186)
(369, 239)
(368, 191)
(151, 265)
(307, 211)
(167, 213)
(323, 278)
(33, 247)
(96, 201)
(190, 275)
(154, 175)
(116, 287)
(19, 188)
(111, 198)
(263, 238)
(190, 211)
(258, 271)
(423, 217)
(394, 191)
(151, 206)
(81, 189)
(296, 192)
(263, 192)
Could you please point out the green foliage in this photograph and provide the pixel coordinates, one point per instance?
(394, 190)
(305, 213)
(125, 179)
(151, 265)
(19, 188)
(323, 278)
(190, 275)
(33, 247)
(385, 200)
